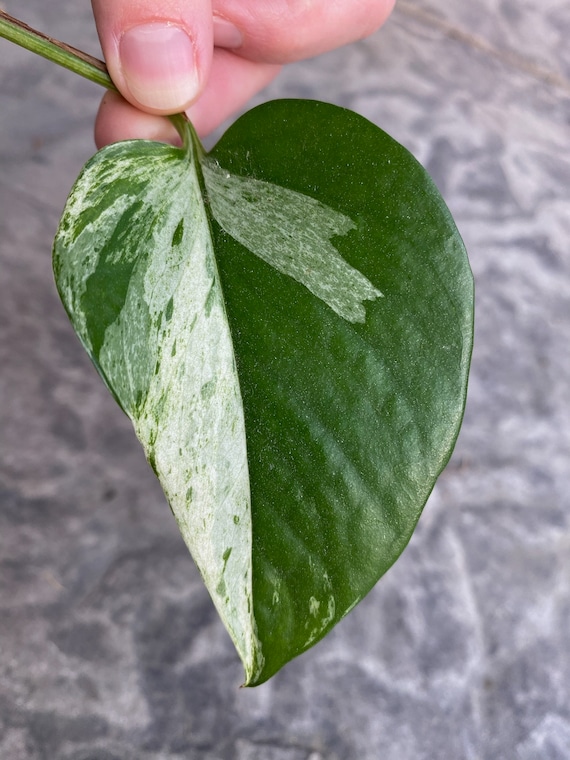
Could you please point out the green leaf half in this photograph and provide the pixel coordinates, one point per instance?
(288, 323)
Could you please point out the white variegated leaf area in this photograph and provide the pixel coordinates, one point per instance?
(291, 232)
(136, 271)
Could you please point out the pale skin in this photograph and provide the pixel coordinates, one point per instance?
(209, 57)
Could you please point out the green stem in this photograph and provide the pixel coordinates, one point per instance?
(58, 52)
(69, 57)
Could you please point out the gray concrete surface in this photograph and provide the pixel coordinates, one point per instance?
(109, 646)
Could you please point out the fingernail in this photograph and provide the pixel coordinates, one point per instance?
(159, 67)
(226, 35)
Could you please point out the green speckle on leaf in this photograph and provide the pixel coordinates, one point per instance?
(169, 309)
(178, 233)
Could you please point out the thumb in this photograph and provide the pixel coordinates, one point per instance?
(159, 61)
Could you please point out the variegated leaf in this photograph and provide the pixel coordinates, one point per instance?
(288, 322)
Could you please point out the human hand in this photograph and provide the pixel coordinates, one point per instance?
(209, 57)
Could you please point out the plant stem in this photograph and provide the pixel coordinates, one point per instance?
(70, 58)
(58, 52)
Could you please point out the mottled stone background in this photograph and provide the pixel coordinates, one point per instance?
(109, 645)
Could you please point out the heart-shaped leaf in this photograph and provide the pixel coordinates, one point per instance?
(288, 323)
